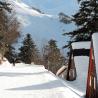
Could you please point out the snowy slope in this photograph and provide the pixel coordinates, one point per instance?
(54, 6)
(21, 7)
(32, 82)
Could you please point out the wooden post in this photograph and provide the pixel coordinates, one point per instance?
(91, 90)
(71, 72)
(69, 64)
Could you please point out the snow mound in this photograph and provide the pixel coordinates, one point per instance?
(81, 45)
(5, 63)
(27, 65)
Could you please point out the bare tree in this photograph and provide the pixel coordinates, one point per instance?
(9, 30)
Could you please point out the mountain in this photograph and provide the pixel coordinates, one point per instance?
(41, 19)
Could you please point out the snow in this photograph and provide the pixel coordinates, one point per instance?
(81, 45)
(55, 6)
(79, 85)
(32, 81)
(21, 7)
(95, 45)
(5, 63)
(81, 65)
(47, 28)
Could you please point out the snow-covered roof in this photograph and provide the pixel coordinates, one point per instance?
(81, 64)
(81, 45)
(32, 82)
(95, 45)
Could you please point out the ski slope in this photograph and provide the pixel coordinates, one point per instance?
(32, 81)
(21, 7)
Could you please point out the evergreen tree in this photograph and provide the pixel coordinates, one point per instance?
(54, 52)
(28, 52)
(10, 54)
(5, 5)
(86, 20)
(52, 56)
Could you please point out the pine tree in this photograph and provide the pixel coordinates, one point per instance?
(52, 56)
(86, 20)
(10, 54)
(54, 53)
(28, 52)
(5, 5)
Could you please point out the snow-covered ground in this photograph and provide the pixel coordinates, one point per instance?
(32, 81)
